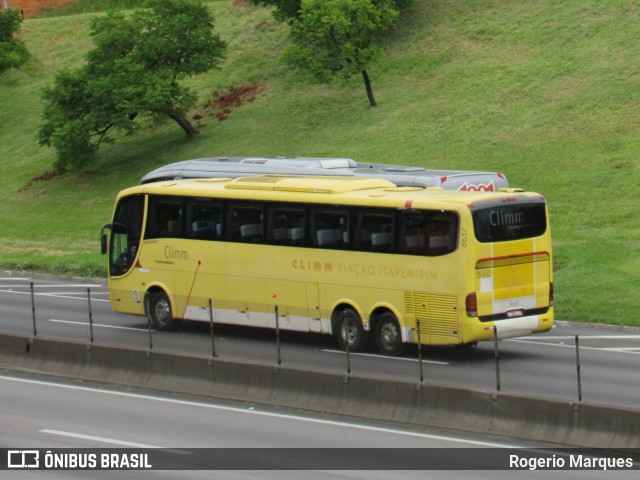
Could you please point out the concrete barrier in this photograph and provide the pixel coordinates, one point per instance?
(517, 417)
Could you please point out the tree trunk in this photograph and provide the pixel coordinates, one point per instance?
(181, 120)
(367, 84)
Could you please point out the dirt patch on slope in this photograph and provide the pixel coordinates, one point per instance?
(33, 8)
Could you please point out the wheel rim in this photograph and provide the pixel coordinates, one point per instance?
(349, 331)
(389, 336)
(162, 311)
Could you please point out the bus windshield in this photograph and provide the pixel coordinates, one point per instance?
(126, 230)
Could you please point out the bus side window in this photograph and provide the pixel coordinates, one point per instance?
(204, 219)
(428, 232)
(413, 232)
(246, 222)
(174, 227)
(443, 229)
(330, 227)
(375, 231)
(165, 218)
(286, 225)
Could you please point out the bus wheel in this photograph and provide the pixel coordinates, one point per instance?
(160, 311)
(389, 336)
(349, 329)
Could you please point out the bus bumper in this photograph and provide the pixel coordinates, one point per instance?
(523, 326)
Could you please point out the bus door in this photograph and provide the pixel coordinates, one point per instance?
(313, 308)
(122, 246)
(298, 305)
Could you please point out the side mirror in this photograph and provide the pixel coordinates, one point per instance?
(103, 238)
(103, 243)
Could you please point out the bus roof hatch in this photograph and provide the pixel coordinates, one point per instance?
(308, 184)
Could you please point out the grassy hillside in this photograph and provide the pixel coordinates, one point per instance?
(547, 92)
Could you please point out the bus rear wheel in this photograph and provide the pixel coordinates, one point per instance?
(349, 329)
(389, 335)
(160, 311)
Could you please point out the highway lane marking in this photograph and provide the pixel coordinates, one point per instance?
(584, 347)
(634, 351)
(71, 322)
(37, 285)
(373, 355)
(81, 296)
(572, 337)
(253, 411)
(113, 441)
(14, 286)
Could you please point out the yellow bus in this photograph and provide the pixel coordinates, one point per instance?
(358, 258)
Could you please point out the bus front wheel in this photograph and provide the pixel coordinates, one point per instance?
(160, 311)
(349, 329)
(389, 335)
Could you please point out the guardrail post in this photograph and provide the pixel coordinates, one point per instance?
(578, 370)
(278, 357)
(419, 351)
(497, 355)
(33, 311)
(149, 325)
(347, 358)
(213, 342)
(90, 319)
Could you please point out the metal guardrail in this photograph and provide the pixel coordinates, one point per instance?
(629, 379)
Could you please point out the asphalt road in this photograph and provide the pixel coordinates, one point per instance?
(38, 413)
(543, 365)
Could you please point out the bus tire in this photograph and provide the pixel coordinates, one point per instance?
(160, 311)
(389, 335)
(349, 328)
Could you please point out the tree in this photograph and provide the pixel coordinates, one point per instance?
(284, 10)
(289, 10)
(13, 52)
(340, 37)
(134, 69)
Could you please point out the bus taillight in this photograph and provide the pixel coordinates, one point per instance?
(551, 294)
(471, 303)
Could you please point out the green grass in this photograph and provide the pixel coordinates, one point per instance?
(547, 92)
(90, 6)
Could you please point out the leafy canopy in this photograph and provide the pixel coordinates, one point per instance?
(340, 37)
(134, 69)
(13, 52)
(284, 10)
(289, 10)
